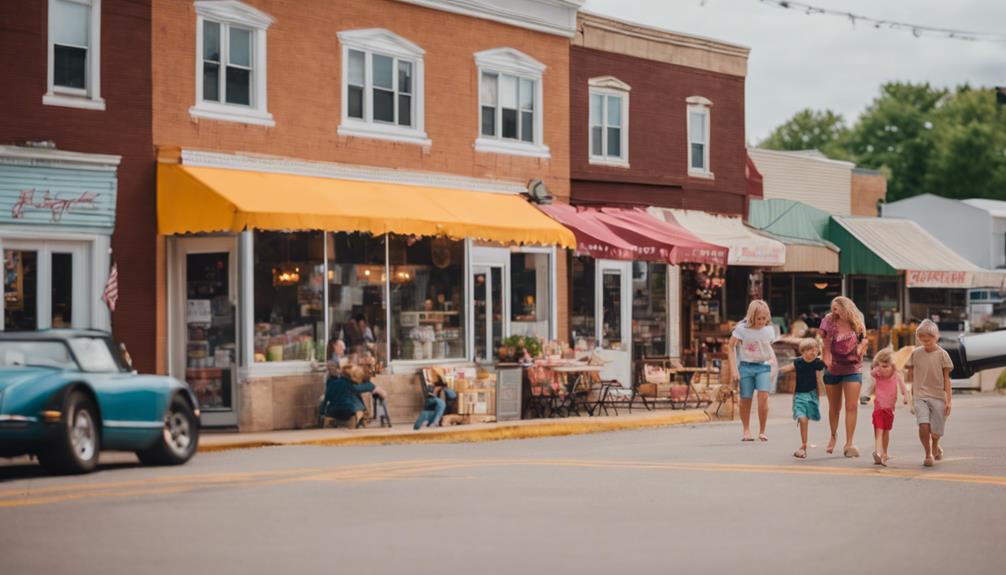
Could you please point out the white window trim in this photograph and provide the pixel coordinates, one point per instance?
(609, 86)
(385, 43)
(90, 97)
(234, 13)
(515, 63)
(704, 106)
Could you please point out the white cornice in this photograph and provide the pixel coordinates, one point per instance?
(556, 17)
(234, 12)
(609, 82)
(381, 40)
(25, 156)
(280, 165)
(509, 61)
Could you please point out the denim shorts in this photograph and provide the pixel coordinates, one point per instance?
(754, 376)
(830, 379)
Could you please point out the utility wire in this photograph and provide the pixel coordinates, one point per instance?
(916, 30)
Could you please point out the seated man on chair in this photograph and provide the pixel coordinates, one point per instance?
(343, 391)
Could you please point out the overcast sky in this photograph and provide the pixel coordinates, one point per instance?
(799, 60)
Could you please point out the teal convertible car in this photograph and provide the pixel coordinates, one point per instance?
(67, 394)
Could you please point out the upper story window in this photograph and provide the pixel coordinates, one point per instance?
(510, 103)
(231, 62)
(74, 70)
(609, 121)
(382, 87)
(698, 137)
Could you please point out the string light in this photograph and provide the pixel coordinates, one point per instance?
(916, 30)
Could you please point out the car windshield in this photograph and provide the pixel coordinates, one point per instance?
(94, 354)
(36, 353)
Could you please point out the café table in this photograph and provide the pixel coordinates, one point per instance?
(573, 375)
(688, 376)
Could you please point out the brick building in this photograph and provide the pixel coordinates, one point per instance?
(657, 124)
(77, 81)
(350, 170)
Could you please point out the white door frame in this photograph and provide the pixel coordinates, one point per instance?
(178, 250)
(83, 305)
(619, 364)
(482, 258)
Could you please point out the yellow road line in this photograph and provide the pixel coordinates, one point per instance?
(414, 469)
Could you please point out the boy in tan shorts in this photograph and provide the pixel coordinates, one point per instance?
(929, 373)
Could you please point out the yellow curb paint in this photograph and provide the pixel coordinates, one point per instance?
(498, 433)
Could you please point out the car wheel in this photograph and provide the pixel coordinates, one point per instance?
(77, 445)
(179, 437)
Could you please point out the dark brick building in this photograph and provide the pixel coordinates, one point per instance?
(663, 77)
(77, 83)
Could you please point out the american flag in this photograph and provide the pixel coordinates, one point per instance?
(111, 293)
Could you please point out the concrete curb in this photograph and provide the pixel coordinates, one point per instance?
(495, 433)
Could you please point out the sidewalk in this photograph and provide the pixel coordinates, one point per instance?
(639, 419)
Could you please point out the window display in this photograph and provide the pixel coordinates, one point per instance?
(427, 298)
(209, 333)
(649, 309)
(356, 280)
(581, 309)
(289, 290)
(19, 289)
(529, 294)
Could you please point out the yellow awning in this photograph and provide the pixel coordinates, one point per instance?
(197, 199)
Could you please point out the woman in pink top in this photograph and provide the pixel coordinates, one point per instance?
(844, 335)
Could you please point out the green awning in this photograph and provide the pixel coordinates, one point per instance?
(856, 258)
(790, 221)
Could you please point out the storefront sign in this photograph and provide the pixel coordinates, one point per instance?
(757, 254)
(933, 279)
(57, 197)
(32, 199)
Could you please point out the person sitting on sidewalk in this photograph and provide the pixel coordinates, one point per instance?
(433, 409)
(343, 391)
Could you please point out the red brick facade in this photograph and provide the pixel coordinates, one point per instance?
(658, 141)
(123, 128)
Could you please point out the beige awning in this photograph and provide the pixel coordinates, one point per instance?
(747, 248)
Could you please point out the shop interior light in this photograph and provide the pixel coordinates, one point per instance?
(821, 285)
(286, 275)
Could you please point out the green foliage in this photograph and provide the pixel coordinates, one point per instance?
(811, 130)
(928, 140)
(516, 347)
(1001, 382)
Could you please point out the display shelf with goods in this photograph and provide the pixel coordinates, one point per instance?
(475, 388)
(210, 331)
(431, 335)
(649, 309)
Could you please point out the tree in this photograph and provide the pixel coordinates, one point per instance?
(895, 132)
(968, 158)
(808, 129)
(928, 140)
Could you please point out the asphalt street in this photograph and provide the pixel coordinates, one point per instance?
(684, 500)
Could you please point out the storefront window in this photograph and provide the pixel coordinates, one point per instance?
(289, 288)
(529, 295)
(356, 279)
(947, 307)
(649, 309)
(611, 302)
(813, 295)
(62, 290)
(19, 289)
(877, 298)
(581, 309)
(427, 298)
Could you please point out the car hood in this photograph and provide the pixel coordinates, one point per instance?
(14, 376)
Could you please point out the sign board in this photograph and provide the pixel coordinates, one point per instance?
(199, 311)
(57, 197)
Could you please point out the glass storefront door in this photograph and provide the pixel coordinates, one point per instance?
(206, 328)
(46, 285)
(487, 304)
(614, 309)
